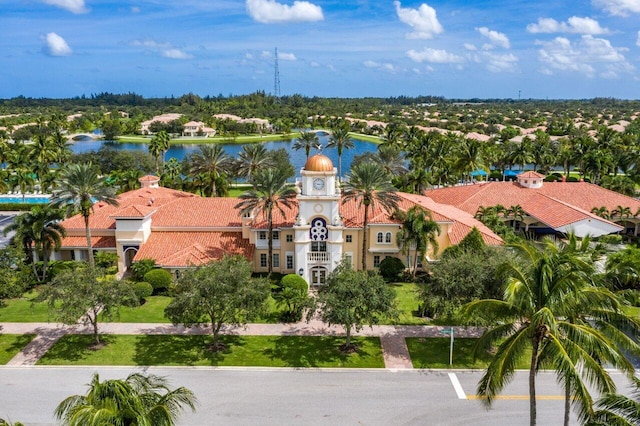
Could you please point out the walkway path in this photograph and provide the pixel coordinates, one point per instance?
(392, 337)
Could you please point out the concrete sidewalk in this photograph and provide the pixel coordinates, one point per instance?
(392, 338)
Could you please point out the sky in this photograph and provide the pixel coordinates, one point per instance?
(528, 49)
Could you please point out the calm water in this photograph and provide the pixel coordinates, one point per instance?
(27, 199)
(297, 158)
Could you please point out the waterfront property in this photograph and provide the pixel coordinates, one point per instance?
(179, 230)
(549, 207)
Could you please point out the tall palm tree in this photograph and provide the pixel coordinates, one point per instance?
(340, 140)
(369, 185)
(79, 188)
(23, 179)
(544, 287)
(517, 212)
(163, 141)
(271, 192)
(418, 231)
(251, 159)
(212, 161)
(618, 410)
(142, 400)
(603, 212)
(306, 141)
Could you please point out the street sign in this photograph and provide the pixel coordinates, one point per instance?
(449, 331)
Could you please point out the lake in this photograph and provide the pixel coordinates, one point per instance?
(297, 158)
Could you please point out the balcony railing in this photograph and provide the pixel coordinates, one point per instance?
(319, 257)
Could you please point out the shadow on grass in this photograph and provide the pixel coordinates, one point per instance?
(20, 342)
(299, 351)
(75, 347)
(182, 350)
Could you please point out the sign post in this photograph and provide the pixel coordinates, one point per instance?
(450, 332)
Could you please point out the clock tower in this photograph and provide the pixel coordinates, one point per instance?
(318, 227)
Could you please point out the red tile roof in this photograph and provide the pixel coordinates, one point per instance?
(133, 212)
(183, 249)
(96, 242)
(531, 174)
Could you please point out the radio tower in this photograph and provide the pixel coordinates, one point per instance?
(276, 79)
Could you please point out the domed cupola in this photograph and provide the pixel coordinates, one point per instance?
(318, 163)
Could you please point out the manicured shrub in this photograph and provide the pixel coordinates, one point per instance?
(391, 268)
(159, 279)
(142, 290)
(495, 175)
(572, 179)
(141, 267)
(293, 294)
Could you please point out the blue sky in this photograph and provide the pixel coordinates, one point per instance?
(343, 48)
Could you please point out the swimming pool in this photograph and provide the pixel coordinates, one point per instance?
(29, 199)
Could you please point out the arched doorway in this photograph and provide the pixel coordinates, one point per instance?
(129, 254)
(318, 275)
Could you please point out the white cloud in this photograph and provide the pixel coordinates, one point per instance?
(56, 45)
(271, 12)
(470, 46)
(589, 56)
(496, 62)
(498, 39)
(286, 56)
(380, 66)
(638, 40)
(74, 6)
(165, 49)
(423, 20)
(574, 25)
(434, 56)
(618, 7)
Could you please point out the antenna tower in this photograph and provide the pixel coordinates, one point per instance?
(276, 78)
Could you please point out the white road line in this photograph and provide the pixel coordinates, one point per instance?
(457, 386)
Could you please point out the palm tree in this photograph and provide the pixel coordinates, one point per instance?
(369, 185)
(212, 161)
(517, 212)
(418, 231)
(306, 141)
(163, 140)
(22, 179)
(618, 410)
(340, 140)
(137, 400)
(603, 212)
(79, 188)
(538, 313)
(271, 192)
(251, 159)
(622, 212)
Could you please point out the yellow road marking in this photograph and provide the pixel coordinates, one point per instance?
(521, 397)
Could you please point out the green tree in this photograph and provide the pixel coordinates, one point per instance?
(251, 159)
(293, 295)
(618, 410)
(158, 147)
(89, 295)
(418, 231)
(306, 141)
(222, 292)
(271, 192)
(142, 400)
(79, 188)
(354, 299)
(544, 289)
(369, 185)
(340, 140)
(212, 162)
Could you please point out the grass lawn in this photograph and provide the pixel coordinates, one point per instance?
(264, 351)
(434, 353)
(11, 344)
(407, 305)
(151, 311)
(24, 310)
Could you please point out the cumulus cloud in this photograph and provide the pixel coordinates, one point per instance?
(618, 7)
(589, 56)
(575, 25)
(423, 20)
(434, 56)
(56, 45)
(166, 50)
(498, 39)
(74, 6)
(470, 46)
(499, 62)
(286, 56)
(272, 12)
(380, 66)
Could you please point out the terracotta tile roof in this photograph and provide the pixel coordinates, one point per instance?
(182, 249)
(96, 242)
(279, 221)
(531, 174)
(198, 212)
(133, 212)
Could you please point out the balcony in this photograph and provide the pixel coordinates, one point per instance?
(318, 257)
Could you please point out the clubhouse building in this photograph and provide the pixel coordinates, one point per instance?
(180, 230)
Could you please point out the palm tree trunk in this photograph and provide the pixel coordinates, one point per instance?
(364, 237)
(88, 234)
(532, 381)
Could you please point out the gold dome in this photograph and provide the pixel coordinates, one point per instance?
(318, 163)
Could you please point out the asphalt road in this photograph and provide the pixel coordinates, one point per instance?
(298, 397)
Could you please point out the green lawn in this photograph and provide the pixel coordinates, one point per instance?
(434, 353)
(265, 351)
(25, 310)
(11, 344)
(152, 311)
(407, 305)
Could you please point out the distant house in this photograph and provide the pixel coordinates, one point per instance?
(549, 207)
(163, 118)
(180, 230)
(197, 128)
(262, 124)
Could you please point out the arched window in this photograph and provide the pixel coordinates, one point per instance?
(379, 237)
(387, 238)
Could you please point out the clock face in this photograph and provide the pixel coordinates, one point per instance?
(318, 183)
